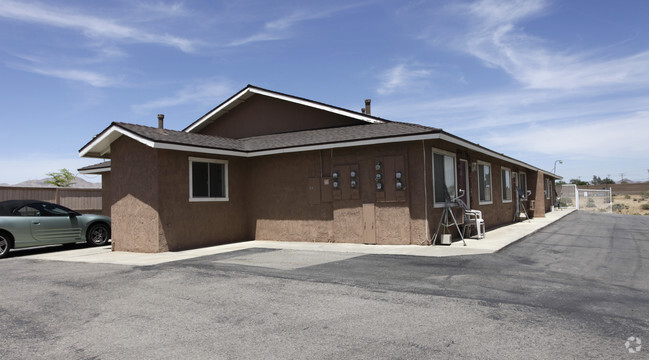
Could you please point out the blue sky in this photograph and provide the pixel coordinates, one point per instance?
(537, 80)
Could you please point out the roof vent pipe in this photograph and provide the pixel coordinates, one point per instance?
(161, 118)
(363, 110)
(367, 106)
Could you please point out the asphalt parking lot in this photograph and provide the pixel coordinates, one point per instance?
(578, 288)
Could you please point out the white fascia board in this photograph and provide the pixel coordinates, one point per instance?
(109, 136)
(304, 102)
(312, 104)
(346, 144)
(223, 106)
(102, 143)
(491, 153)
(201, 150)
(95, 171)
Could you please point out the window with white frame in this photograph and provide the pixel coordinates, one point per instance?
(548, 188)
(522, 184)
(484, 182)
(208, 179)
(444, 176)
(506, 184)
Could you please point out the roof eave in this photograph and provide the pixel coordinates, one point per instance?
(476, 147)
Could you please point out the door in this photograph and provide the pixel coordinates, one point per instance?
(369, 232)
(51, 224)
(463, 181)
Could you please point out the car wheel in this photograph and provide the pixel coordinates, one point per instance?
(98, 235)
(5, 245)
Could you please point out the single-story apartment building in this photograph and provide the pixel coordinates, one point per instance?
(271, 166)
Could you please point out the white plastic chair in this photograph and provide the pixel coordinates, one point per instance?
(474, 218)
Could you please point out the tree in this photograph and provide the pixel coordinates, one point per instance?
(578, 182)
(599, 181)
(63, 178)
(608, 181)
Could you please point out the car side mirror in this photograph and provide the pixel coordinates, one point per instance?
(74, 214)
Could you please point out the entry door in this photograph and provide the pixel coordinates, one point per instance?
(369, 232)
(463, 180)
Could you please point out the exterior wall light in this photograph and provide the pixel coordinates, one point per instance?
(354, 184)
(379, 186)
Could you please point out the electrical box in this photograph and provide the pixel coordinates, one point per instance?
(391, 179)
(346, 182)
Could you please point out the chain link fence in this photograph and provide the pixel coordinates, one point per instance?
(595, 200)
(585, 199)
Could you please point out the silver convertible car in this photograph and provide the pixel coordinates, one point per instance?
(28, 223)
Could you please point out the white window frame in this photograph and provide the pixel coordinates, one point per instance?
(548, 189)
(504, 170)
(491, 193)
(439, 204)
(225, 180)
(521, 175)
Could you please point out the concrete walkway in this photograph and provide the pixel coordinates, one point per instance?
(494, 240)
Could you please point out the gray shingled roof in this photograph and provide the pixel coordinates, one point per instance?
(284, 140)
(182, 138)
(101, 165)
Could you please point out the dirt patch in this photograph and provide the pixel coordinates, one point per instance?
(631, 204)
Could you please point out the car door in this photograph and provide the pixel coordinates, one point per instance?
(52, 224)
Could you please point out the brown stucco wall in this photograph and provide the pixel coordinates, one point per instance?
(135, 191)
(280, 206)
(187, 224)
(289, 197)
(261, 115)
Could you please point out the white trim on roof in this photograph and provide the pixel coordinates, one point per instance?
(249, 91)
(95, 171)
(110, 135)
(102, 142)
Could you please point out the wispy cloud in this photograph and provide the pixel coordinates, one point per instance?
(201, 93)
(610, 137)
(89, 77)
(495, 38)
(281, 28)
(91, 26)
(164, 9)
(401, 77)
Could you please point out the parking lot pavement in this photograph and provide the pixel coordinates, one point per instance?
(577, 288)
(495, 240)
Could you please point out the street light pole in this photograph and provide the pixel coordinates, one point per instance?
(554, 170)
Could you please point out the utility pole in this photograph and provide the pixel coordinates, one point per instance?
(621, 177)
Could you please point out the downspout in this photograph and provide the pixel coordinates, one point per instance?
(427, 239)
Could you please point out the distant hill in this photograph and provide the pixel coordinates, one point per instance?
(78, 183)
